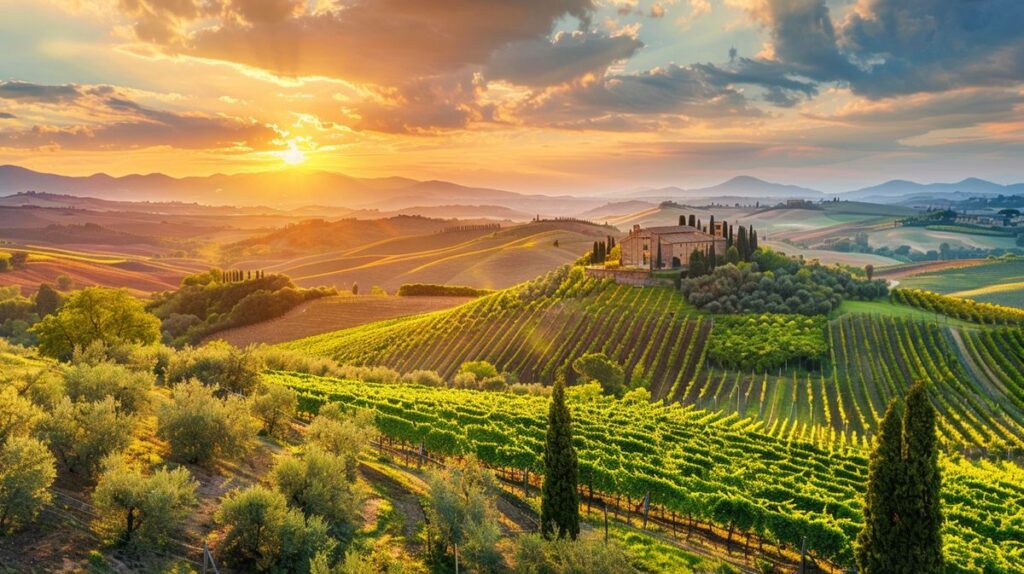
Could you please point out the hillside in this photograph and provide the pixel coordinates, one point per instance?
(537, 329)
(698, 464)
(422, 251)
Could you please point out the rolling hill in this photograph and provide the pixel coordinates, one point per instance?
(535, 331)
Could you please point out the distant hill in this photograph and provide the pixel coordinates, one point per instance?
(913, 192)
(743, 186)
(287, 189)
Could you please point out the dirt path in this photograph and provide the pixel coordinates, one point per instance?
(406, 502)
(981, 372)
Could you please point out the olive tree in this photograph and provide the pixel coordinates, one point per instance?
(81, 434)
(27, 470)
(112, 316)
(274, 406)
(130, 388)
(134, 508)
(201, 427)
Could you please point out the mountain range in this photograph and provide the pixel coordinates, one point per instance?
(294, 189)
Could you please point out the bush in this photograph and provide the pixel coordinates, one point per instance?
(26, 473)
(18, 415)
(462, 513)
(200, 427)
(431, 290)
(598, 367)
(588, 554)
(317, 483)
(275, 406)
(82, 434)
(96, 314)
(425, 378)
(763, 342)
(218, 364)
(134, 508)
(264, 535)
(129, 388)
(345, 435)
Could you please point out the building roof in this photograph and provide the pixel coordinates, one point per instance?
(675, 233)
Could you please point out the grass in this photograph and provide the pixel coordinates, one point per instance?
(890, 309)
(1000, 282)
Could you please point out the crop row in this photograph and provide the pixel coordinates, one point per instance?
(965, 309)
(717, 469)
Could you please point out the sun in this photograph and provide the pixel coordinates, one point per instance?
(293, 156)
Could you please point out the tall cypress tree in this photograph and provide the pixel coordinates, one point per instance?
(923, 513)
(693, 220)
(560, 505)
(753, 240)
(712, 258)
(879, 547)
(741, 244)
(682, 220)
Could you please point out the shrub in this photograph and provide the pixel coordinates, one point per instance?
(462, 513)
(135, 508)
(345, 435)
(264, 535)
(431, 290)
(425, 378)
(96, 314)
(26, 473)
(82, 434)
(84, 382)
(275, 406)
(317, 483)
(598, 367)
(200, 427)
(588, 554)
(762, 342)
(218, 364)
(18, 416)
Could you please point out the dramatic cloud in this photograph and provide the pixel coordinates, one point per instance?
(908, 46)
(118, 122)
(568, 56)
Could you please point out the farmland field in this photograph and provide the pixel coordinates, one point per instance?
(334, 313)
(689, 461)
(999, 282)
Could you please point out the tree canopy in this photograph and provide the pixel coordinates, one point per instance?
(112, 316)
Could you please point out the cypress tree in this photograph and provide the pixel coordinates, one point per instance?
(728, 240)
(682, 220)
(711, 225)
(560, 505)
(879, 545)
(593, 253)
(753, 240)
(696, 263)
(923, 514)
(741, 244)
(712, 258)
(659, 254)
(693, 220)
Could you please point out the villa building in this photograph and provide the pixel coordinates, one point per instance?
(669, 247)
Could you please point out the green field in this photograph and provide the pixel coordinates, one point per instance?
(1000, 282)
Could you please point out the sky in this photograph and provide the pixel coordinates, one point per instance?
(570, 96)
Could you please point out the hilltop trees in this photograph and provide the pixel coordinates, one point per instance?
(902, 513)
(112, 316)
(560, 512)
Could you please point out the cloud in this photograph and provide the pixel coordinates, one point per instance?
(543, 62)
(908, 46)
(114, 121)
(672, 90)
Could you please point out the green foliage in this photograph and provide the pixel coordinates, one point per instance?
(18, 415)
(264, 535)
(688, 459)
(26, 472)
(82, 434)
(922, 513)
(112, 316)
(200, 427)
(599, 368)
(144, 510)
(462, 513)
(219, 364)
(479, 369)
(318, 484)
(274, 406)
(130, 388)
(431, 290)
(590, 554)
(559, 510)
(964, 309)
(47, 300)
(772, 285)
(208, 302)
(345, 435)
(766, 341)
(902, 512)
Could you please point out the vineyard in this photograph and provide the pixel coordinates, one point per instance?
(717, 471)
(535, 330)
(965, 309)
